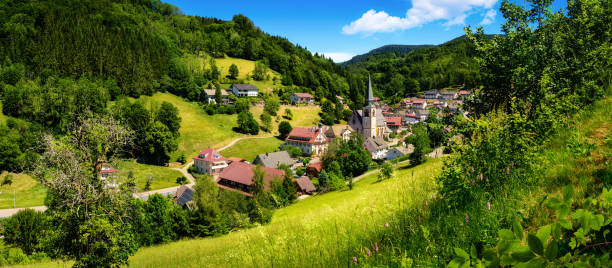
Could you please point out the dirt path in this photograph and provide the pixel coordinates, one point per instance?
(5, 213)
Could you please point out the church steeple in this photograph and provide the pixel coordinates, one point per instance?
(370, 96)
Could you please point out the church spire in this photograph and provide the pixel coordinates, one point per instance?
(370, 95)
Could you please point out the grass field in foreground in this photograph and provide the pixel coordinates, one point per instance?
(249, 148)
(26, 192)
(320, 231)
(163, 177)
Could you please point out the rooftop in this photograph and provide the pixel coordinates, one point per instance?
(245, 87)
(209, 155)
(242, 173)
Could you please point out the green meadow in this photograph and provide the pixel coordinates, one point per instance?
(248, 149)
(23, 192)
(161, 177)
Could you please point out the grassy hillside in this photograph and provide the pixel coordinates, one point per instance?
(303, 116)
(162, 177)
(317, 231)
(2, 116)
(249, 148)
(24, 192)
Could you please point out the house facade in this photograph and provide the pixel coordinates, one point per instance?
(377, 147)
(431, 94)
(244, 90)
(448, 95)
(210, 162)
(394, 123)
(302, 98)
(208, 95)
(312, 140)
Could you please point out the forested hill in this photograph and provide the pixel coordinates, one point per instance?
(399, 50)
(396, 76)
(139, 45)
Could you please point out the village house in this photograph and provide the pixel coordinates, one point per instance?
(302, 98)
(394, 123)
(419, 104)
(339, 131)
(210, 162)
(208, 96)
(314, 169)
(448, 94)
(399, 151)
(238, 177)
(464, 93)
(305, 185)
(107, 174)
(274, 160)
(431, 94)
(183, 195)
(422, 114)
(411, 118)
(377, 147)
(312, 140)
(406, 103)
(244, 90)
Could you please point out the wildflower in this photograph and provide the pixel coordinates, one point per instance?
(472, 169)
(487, 179)
(376, 247)
(368, 252)
(489, 205)
(508, 171)
(355, 259)
(426, 203)
(386, 225)
(467, 219)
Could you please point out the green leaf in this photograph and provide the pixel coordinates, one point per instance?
(536, 263)
(553, 203)
(473, 252)
(567, 225)
(507, 260)
(518, 229)
(461, 253)
(523, 254)
(506, 234)
(489, 254)
(552, 250)
(544, 233)
(568, 193)
(535, 244)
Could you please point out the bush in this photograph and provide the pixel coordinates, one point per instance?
(181, 180)
(284, 128)
(293, 151)
(24, 228)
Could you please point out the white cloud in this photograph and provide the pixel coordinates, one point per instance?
(453, 12)
(338, 57)
(489, 17)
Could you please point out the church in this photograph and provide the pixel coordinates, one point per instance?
(369, 121)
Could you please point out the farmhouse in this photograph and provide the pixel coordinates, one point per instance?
(238, 176)
(399, 152)
(369, 122)
(448, 95)
(431, 94)
(394, 123)
(208, 95)
(244, 90)
(105, 171)
(314, 169)
(339, 131)
(377, 147)
(311, 140)
(274, 160)
(210, 162)
(302, 98)
(183, 195)
(305, 185)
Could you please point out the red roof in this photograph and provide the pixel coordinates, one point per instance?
(242, 173)
(412, 115)
(318, 166)
(304, 134)
(394, 121)
(209, 155)
(303, 95)
(418, 101)
(105, 169)
(464, 92)
(236, 159)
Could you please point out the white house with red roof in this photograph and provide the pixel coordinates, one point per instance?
(238, 177)
(302, 98)
(394, 122)
(312, 140)
(210, 162)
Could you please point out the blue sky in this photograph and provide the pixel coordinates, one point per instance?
(341, 29)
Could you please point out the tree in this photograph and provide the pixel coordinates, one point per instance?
(159, 142)
(385, 172)
(323, 177)
(420, 140)
(259, 73)
(218, 96)
(293, 151)
(233, 71)
(242, 105)
(88, 217)
(284, 128)
(157, 208)
(266, 121)
(247, 124)
(205, 204)
(24, 230)
(168, 115)
(288, 114)
(272, 105)
(9, 154)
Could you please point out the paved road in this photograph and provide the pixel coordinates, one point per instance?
(5, 213)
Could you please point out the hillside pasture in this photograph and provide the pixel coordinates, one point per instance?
(23, 192)
(248, 149)
(161, 177)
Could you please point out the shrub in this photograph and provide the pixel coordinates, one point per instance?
(284, 128)
(24, 229)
